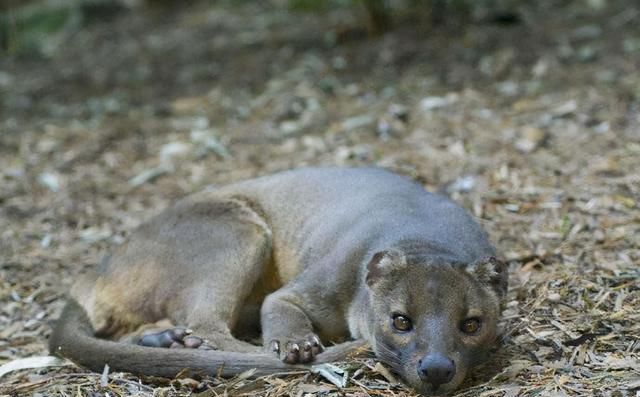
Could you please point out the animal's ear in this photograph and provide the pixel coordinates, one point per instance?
(492, 272)
(382, 264)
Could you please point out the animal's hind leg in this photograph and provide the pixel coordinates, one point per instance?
(216, 302)
(228, 257)
(194, 264)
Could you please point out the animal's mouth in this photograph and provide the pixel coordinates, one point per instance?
(438, 390)
(424, 387)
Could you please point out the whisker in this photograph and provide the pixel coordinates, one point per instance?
(386, 347)
(388, 356)
(393, 366)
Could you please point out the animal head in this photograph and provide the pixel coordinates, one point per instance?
(432, 320)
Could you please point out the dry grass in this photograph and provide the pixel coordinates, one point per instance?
(536, 137)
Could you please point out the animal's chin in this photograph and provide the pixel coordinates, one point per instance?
(427, 389)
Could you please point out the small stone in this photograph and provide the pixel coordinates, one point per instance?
(15, 173)
(463, 184)
(94, 234)
(497, 63)
(190, 123)
(289, 146)
(149, 175)
(384, 129)
(587, 53)
(173, 151)
(399, 111)
(190, 105)
(352, 89)
(388, 127)
(356, 122)
(289, 127)
(342, 154)
(435, 102)
(6, 79)
(508, 88)
(541, 68)
(50, 180)
(46, 240)
(606, 76)
(208, 141)
(587, 32)
(457, 148)
(601, 128)
(596, 4)
(631, 45)
(314, 142)
(566, 109)
(554, 297)
(530, 139)
(339, 63)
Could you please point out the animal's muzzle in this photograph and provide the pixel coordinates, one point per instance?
(436, 369)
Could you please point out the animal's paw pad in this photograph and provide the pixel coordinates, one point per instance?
(296, 351)
(173, 338)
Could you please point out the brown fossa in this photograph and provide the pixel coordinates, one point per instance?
(353, 256)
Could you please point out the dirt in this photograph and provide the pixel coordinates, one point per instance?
(533, 126)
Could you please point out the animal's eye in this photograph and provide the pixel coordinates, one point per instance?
(471, 325)
(402, 323)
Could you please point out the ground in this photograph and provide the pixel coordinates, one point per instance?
(534, 126)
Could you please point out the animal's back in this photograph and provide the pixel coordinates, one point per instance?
(317, 210)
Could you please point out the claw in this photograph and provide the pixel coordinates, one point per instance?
(275, 346)
(178, 333)
(293, 347)
(316, 345)
(296, 350)
(176, 345)
(192, 342)
(306, 355)
(307, 346)
(293, 353)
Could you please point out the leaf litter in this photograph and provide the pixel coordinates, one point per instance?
(541, 145)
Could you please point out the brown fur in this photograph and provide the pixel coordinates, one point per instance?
(327, 252)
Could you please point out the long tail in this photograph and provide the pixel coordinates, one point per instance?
(73, 338)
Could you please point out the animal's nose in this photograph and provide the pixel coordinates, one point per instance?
(436, 369)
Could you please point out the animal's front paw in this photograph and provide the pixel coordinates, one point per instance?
(297, 350)
(173, 338)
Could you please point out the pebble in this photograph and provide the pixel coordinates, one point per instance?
(530, 139)
(399, 111)
(49, 180)
(587, 32)
(173, 151)
(587, 53)
(554, 297)
(6, 79)
(435, 102)
(353, 123)
(208, 141)
(94, 234)
(289, 127)
(566, 109)
(631, 45)
(149, 175)
(463, 184)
